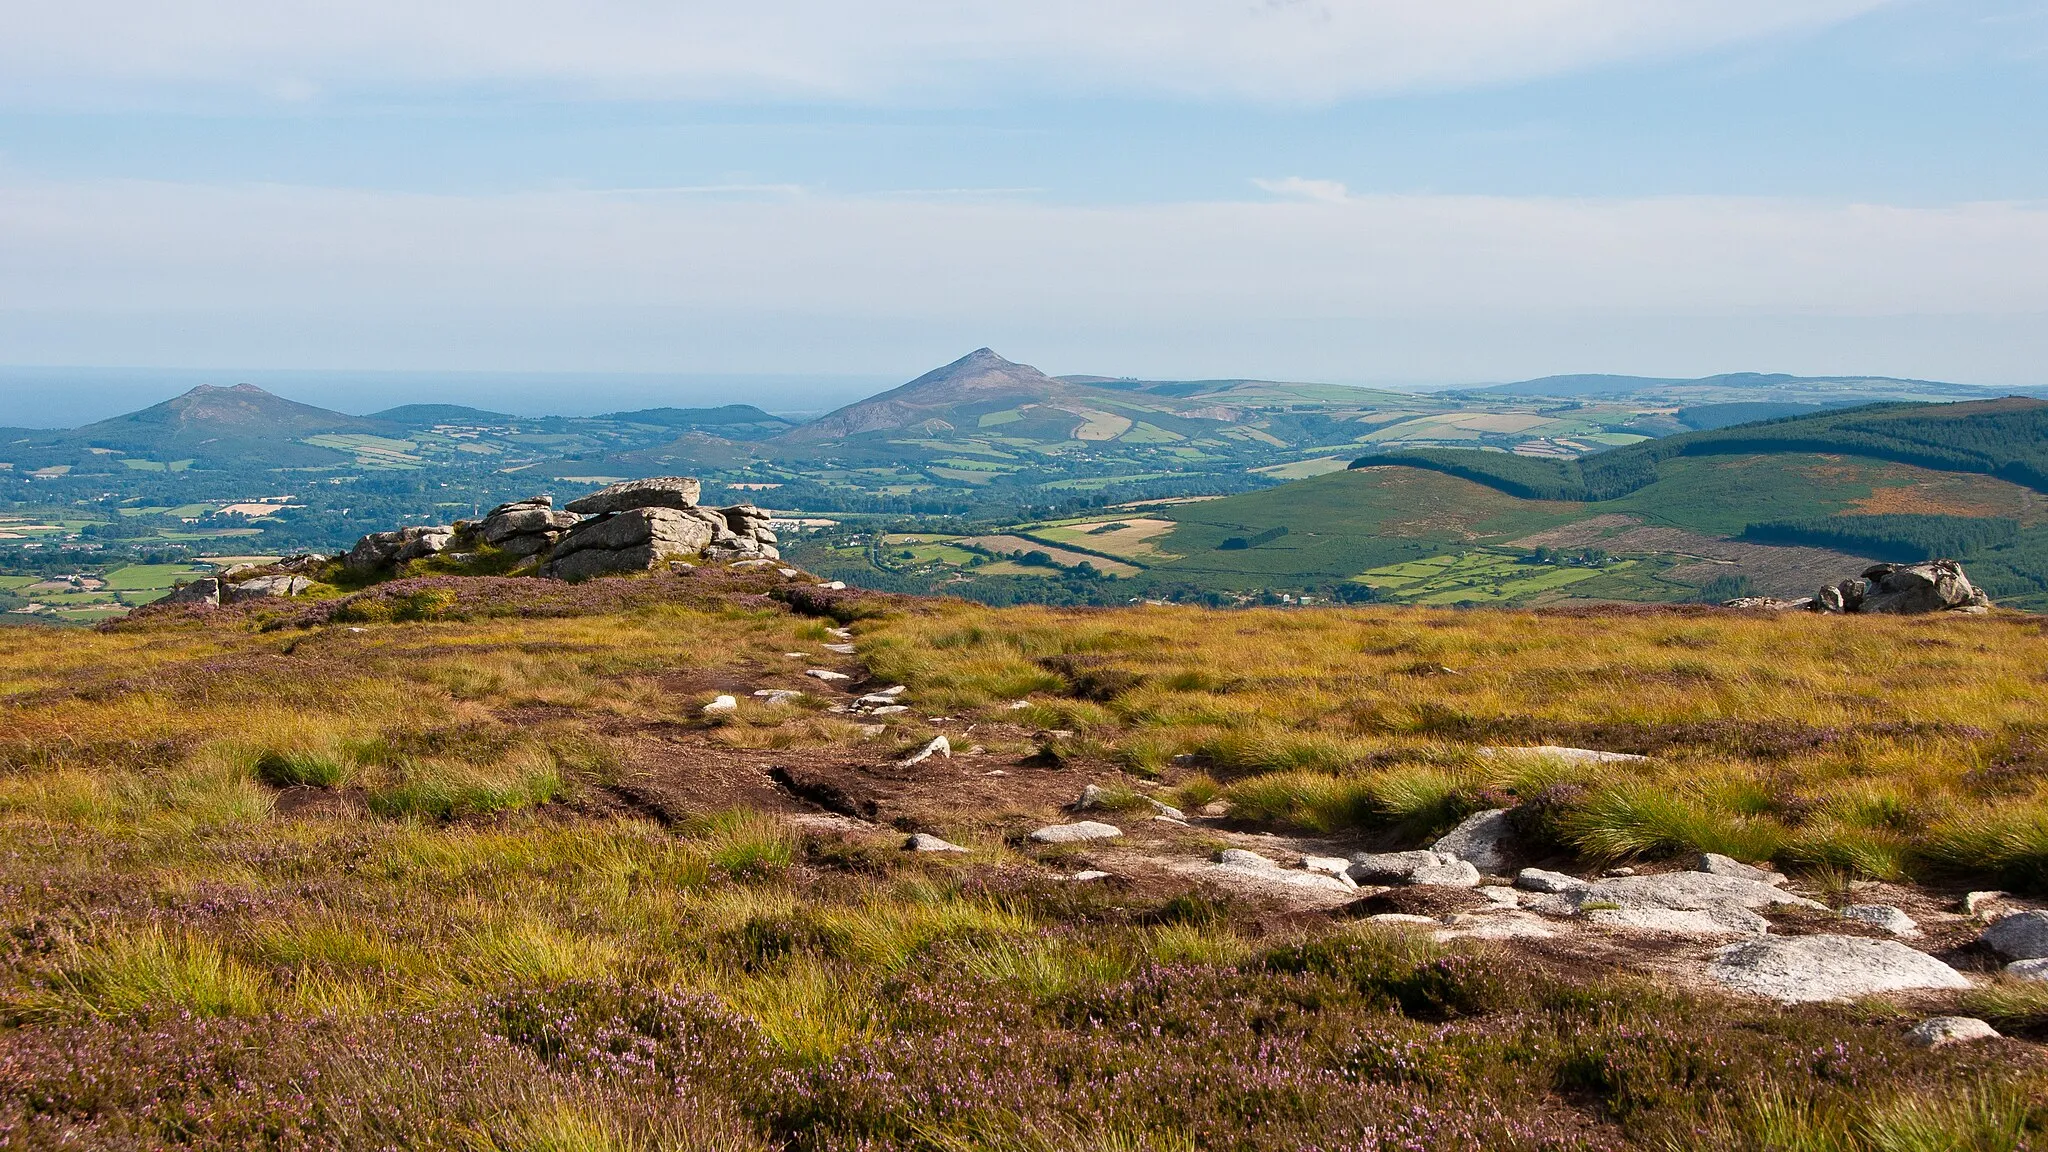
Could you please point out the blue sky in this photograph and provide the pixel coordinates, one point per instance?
(1380, 191)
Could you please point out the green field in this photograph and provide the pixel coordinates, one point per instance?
(1478, 578)
(144, 579)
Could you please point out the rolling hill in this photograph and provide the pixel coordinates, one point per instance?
(1773, 507)
(1737, 387)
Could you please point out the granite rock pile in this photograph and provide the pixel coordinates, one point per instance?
(633, 526)
(245, 582)
(1897, 589)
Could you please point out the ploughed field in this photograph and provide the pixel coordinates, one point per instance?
(467, 863)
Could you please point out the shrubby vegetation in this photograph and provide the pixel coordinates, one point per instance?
(414, 883)
(1893, 536)
(2007, 439)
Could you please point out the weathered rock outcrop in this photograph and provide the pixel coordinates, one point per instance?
(524, 527)
(205, 590)
(643, 524)
(630, 541)
(633, 526)
(1424, 868)
(1485, 839)
(1910, 588)
(673, 492)
(1898, 589)
(264, 587)
(383, 549)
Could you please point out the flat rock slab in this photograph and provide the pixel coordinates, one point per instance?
(1688, 892)
(1076, 833)
(1568, 755)
(1805, 969)
(654, 492)
(1496, 926)
(1719, 865)
(1270, 875)
(1892, 920)
(2020, 936)
(1539, 880)
(1697, 924)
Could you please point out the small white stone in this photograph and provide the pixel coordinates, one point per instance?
(2028, 970)
(1892, 920)
(1975, 903)
(926, 842)
(842, 649)
(1334, 865)
(1538, 880)
(940, 746)
(1501, 897)
(721, 705)
(1076, 832)
(888, 710)
(1943, 1030)
(1090, 874)
(1017, 704)
(826, 674)
(1239, 858)
(785, 572)
(893, 690)
(834, 585)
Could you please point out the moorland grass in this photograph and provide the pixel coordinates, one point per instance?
(507, 963)
(1886, 747)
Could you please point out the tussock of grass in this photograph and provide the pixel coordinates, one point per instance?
(524, 950)
(2011, 844)
(1419, 799)
(745, 844)
(436, 791)
(2013, 1005)
(287, 769)
(1632, 820)
(808, 1012)
(143, 973)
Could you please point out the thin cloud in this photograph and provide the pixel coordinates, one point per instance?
(115, 246)
(1299, 188)
(114, 50)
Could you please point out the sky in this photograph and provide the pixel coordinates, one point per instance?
(616, 199)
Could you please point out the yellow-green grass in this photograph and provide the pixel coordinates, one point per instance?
(1885, 746)
(212, 827)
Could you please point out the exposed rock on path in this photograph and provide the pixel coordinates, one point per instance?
(2020, 936)
(1077, 832)
(1483, 839)
(1803, 969)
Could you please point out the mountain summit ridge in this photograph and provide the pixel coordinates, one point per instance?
(978, 377)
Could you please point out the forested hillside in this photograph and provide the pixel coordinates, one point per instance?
(2005, 438)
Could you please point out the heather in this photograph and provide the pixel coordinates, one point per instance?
(484, 876)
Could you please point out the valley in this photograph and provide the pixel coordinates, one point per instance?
(989, 479)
